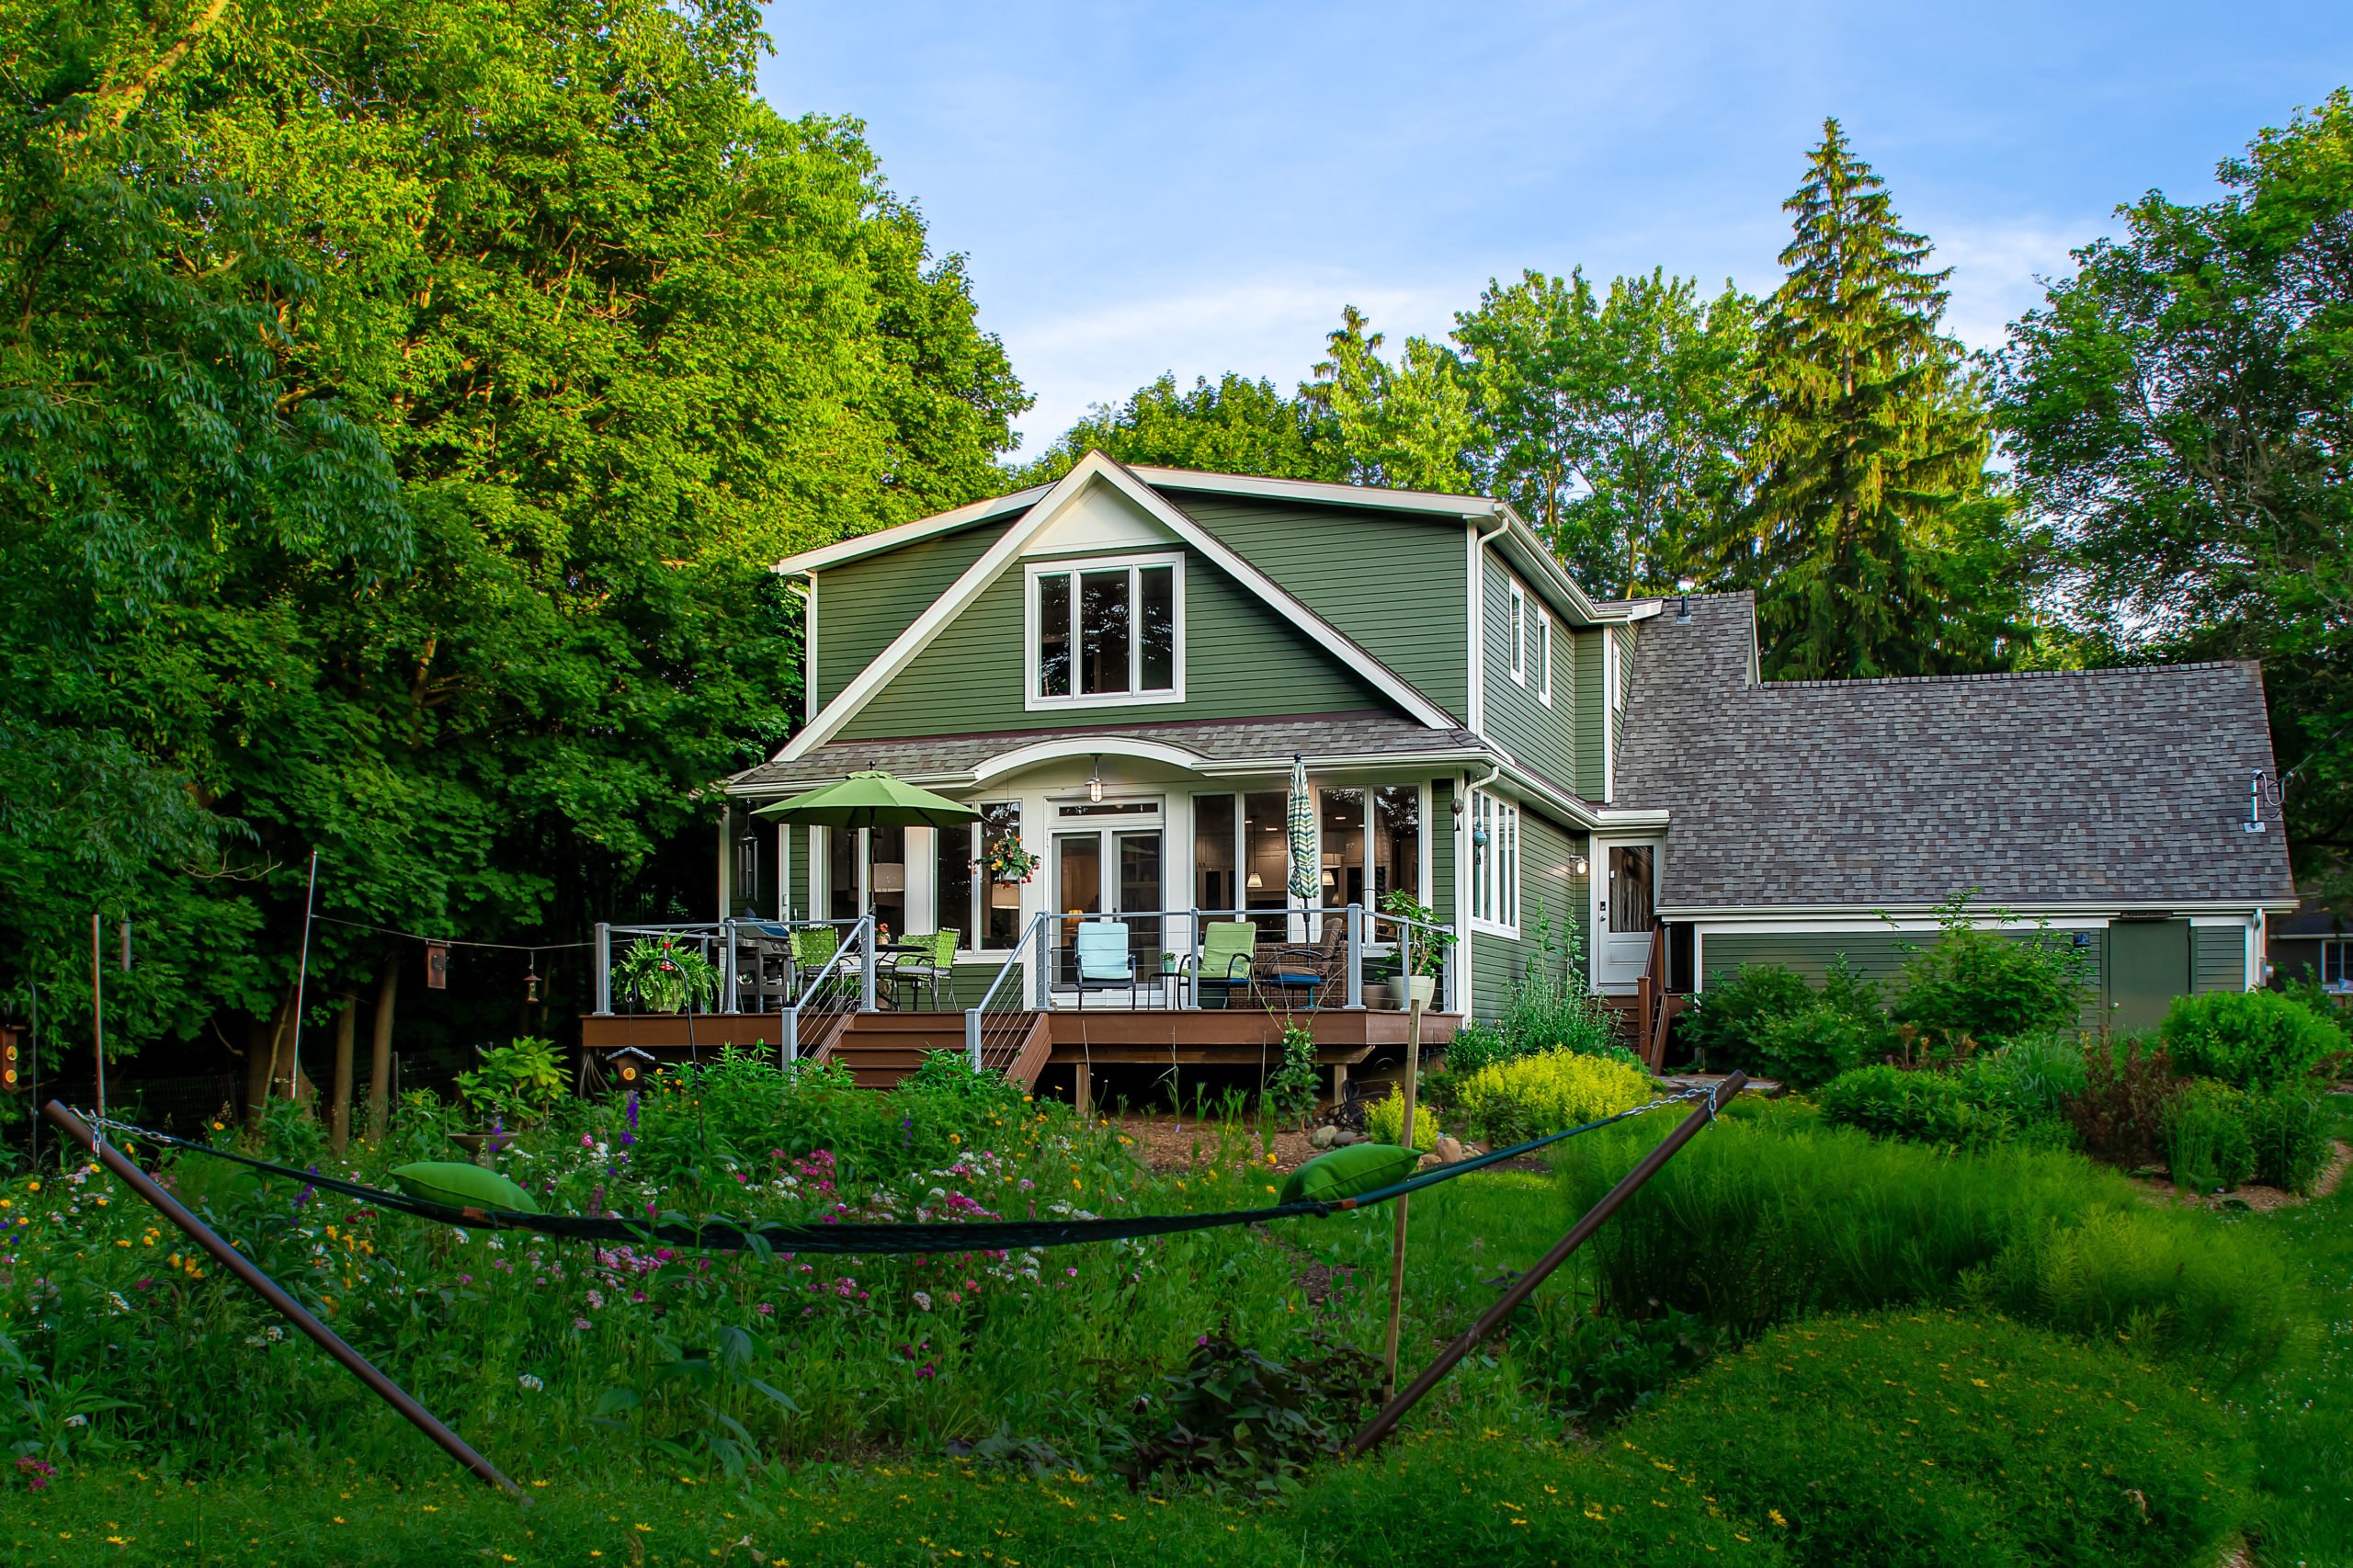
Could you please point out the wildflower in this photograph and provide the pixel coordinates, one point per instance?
(77, 1420)
(530, 1384)
(580, 1324)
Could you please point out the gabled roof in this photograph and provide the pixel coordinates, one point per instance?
(1528, 551)
(1093, 470)
(2124, 787)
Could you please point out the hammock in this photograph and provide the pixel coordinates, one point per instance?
(766, 1237)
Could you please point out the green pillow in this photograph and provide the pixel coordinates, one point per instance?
(455, 1185)
(1344, 1173)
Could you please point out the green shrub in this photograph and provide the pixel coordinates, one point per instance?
(1726, 1023)
(1541, 1014)
(1928, 1107)
(1384, 1120)
(1758, 1223)
(1935, 1438)
(1815, 1044)
(1981, 986)
(1239, 1421)
(1601, 1369)
(1476, 1045)
(2250, 1039)
(1530, 1096)
(2033, 1077)
(2290, 1129)
(2208, 1145)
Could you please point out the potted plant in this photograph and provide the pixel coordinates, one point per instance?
(516, 1086)
(666, 977)
(1421, 951)
(1006, 861)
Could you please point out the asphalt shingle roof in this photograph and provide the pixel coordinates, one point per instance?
(952, 759)
(2127, 785)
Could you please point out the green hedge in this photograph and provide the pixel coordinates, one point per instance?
(2250, 1039)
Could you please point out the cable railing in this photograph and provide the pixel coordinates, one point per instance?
(1017, 990)
(772, 978)
(843, 984)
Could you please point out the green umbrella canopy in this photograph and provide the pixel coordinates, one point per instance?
(870, 799)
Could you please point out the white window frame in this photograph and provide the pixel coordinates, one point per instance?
(1518, 633)
(1494, 867)
(1544, 655)
(1034, 700)
(2343, 960)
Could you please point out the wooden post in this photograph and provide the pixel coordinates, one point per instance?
(347, 1025)
(380, 1065)
(1397, 1244)
(1084, 1093)
(97, 1010)
(292, 1310)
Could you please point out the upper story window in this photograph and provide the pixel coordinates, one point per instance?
(1540, 652)
(1518, 633)
(1103, 633)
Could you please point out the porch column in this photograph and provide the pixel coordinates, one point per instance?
(1354, 994)
(603, 959)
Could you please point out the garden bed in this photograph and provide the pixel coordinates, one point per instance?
(2255, 1196)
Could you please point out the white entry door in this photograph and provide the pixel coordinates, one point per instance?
(1625, 894)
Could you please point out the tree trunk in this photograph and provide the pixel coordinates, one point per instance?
(281, 1047)
(379, 1064)
(257, 1039)
(347, 1025)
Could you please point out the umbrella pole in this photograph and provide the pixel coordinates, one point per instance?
(1397, 1244)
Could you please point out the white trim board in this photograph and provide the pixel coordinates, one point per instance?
(1096, 469)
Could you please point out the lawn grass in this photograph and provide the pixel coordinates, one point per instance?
(2302, 1418)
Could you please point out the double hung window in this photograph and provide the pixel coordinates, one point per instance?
(985, 913)
(1107, 632)
(1495, 864)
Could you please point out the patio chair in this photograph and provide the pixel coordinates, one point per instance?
(1313, 968)
(935, 967)
(1102, 960)
(1229, 950)
(814, 947)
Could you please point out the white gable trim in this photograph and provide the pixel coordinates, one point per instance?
(1097, 468)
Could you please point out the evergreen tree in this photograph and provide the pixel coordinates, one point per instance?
(1872, 539)
(1407, 425)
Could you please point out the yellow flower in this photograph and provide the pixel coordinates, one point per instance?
(1775, 1515)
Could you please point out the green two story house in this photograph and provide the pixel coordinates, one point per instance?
(1120, 670)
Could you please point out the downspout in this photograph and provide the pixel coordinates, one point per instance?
(1466, 993)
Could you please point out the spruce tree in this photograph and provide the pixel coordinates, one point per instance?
(1865, 537)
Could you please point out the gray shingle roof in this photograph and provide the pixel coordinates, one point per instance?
(2125, 785)
(952, 759)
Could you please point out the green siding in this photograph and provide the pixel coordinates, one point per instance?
(1393, 585)
(1545, 737)
(1877, 956)
(862, 605)
(1587, 679)
(2218, 958)
(1549, 891)
(1241, 661)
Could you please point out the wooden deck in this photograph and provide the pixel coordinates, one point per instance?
(881, 1048)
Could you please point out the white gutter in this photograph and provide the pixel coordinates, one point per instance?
(2021, 911)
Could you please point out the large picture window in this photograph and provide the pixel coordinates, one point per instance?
(1495, 863)
(985, 914)
(1106, 633)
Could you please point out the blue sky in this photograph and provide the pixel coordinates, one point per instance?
(1201, 187)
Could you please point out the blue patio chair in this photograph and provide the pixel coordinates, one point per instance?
(1101, 958)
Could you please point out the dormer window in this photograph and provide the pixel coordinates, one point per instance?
(1107, 632)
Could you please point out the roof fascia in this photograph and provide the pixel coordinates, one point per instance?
(1434, 503)
(841, 551)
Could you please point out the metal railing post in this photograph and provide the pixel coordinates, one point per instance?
(727, 1000)
(1356, 956)
(789, 1041)
(1041, 961)
(604, 967)
(1447, 978)
(972, 1036)
(865, 964)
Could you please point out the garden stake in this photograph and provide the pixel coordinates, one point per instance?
(1381, 1425)
(1397, 1246)
(236, 1263)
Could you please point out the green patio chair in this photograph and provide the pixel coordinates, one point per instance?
(814, 947)
(935, 967)
(1229, 949)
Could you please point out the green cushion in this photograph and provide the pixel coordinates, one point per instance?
(454, 1186)
(1347, 1173)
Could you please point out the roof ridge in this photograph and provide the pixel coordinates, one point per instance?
(1955, 679)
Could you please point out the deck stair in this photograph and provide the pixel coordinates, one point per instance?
(881, 1049)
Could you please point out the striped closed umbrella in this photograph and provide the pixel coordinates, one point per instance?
(1304, 881)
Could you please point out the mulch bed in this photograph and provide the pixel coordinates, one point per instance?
(2262, 1199)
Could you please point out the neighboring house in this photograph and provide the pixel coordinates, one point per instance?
(1810, 819)
(2314, 944)
(1119, 668)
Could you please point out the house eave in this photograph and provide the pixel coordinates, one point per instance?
(2020, 909)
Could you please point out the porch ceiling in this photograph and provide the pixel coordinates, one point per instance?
(1217, 746)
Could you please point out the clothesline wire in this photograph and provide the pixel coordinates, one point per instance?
(452, 941)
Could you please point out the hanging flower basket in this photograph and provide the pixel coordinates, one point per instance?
(1006, 861)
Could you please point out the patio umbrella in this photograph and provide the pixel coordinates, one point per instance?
(1305, 883)
(870, 799)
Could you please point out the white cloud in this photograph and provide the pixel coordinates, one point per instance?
(1995, 266)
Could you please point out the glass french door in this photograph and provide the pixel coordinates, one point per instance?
(1114, 871)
